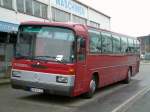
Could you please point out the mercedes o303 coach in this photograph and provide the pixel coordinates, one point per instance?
(71, 59)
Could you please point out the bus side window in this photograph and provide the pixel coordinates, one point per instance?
(124, 45)
(116, 44)
(81, 49)
(130, 45)
(106, 42)
(95, 42)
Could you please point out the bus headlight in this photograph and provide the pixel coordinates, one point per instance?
(61, 79)
(16, 74)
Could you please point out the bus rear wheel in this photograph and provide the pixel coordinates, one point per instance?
(128, 79)
(92, 88)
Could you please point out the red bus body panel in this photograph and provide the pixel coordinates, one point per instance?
(110, 67)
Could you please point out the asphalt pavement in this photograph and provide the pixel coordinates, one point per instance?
(106, 99)
(4, 81)
(141, 105)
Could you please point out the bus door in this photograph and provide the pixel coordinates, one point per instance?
(81, 64)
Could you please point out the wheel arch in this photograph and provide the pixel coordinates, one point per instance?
(131, 70)
(96, 75)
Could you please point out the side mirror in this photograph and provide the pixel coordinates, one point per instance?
(81, 42)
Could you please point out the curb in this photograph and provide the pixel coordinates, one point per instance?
(145, 63)
(128, 103)
(4, 81)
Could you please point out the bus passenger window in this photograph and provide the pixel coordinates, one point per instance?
(95, 42)
(124, 45)
(106, 42)
(116, 44)
(130, 46)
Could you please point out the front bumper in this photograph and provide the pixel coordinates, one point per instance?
(47, 82)
(52, 89)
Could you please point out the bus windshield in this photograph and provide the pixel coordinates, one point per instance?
(46, 43)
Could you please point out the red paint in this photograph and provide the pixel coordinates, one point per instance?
(111, 68)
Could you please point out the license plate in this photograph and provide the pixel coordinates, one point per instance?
(36, 90)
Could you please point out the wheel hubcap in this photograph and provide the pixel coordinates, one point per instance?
(129, 75)
(93, 86)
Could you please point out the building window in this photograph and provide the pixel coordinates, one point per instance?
(32, 7)
(37, 11)
(20, 6)
(0, 2)
(7, 4)
(124, 45)
(29, 8)
(116, 44)
(44, 10)
(60, 16)
(106, 42)
(80, 20)
(94, 24)
(95, 41)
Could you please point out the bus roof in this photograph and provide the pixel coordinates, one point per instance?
(63, 24)
(113, 33)
(72, 26)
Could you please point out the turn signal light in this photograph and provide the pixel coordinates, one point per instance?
(71, 71)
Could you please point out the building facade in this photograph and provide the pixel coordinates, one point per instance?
(144, 44)
(13, 12)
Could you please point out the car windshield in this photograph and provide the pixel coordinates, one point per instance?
(45, 43)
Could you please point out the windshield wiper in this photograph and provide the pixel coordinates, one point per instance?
(50, 57)
(43, 57)
(61, 61)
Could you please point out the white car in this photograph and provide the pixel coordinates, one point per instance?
(142, 56)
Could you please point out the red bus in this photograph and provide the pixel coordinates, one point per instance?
(71, 59)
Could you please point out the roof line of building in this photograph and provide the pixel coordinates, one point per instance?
(91, 8)
(144, 36)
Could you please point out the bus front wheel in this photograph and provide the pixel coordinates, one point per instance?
(92, 88)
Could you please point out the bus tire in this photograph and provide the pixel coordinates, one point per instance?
(128, 79)
(92, 88)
